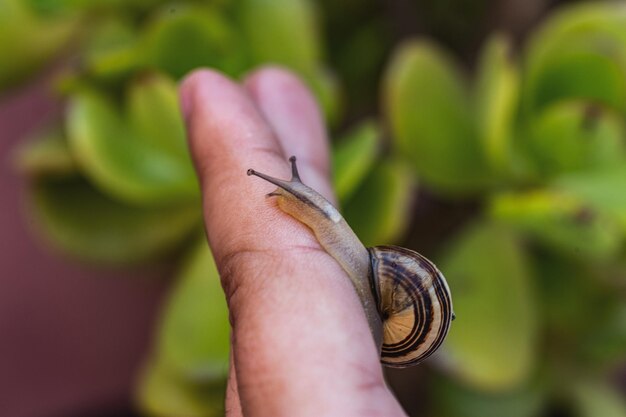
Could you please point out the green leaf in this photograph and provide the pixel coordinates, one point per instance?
(379, 209)
(496, 91)
(578, 53)
(186, 37)
(282, 32)
(97, 8)
(582, 75)
(569, 299)
(430, 118)
(454, 400)
(79, 220)
(603, 18)
(46, 154)
(285, 32)
(27, 41)
(599, 399)
(605, 345)
(190, 360)
(195, 331)
(560, 221)
(111, 50)
(360, 43)
(571, 136)
(326, 88)
(163, 393)
(601, 189)
(45, 8)
(492, 344)
(125, 163)
(353, 157)
(580, 316)
(154, 113)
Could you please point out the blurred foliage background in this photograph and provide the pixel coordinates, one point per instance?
(489, 136)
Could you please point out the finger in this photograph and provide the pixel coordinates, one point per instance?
(297, 323)
(292, 112)
(227, 136)
(233, 404)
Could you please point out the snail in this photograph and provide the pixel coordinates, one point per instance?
(406, 299)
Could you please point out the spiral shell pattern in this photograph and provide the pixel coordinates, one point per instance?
(414, 303)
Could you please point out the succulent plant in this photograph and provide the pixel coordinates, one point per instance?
(538, 138)
(534, 138)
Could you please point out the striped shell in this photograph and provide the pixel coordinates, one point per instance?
(413, 300)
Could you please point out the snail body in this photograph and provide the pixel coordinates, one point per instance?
(406, 299)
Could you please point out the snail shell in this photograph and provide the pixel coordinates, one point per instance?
(405, 298)
(413, 300)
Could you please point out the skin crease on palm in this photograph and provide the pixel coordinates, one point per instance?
(301, 345)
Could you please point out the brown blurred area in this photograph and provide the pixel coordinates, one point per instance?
(72, 337)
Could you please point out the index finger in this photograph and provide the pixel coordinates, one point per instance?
(301, 343)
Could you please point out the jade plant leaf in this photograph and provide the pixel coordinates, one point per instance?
(455, 400)
(187, 372)
(583, 19)
(561, 221)
(491, 345)
(571, 136)
(81, 221)
(378, 211)
(28, 40)
(579, 315)
(496, 92)
(163, 393)
(578, 53)
(154, 113)
(194, 332)
(181, 38)
(111, 50)
(45, 154)
(580, 74)
(426, 104)
(359, 48)
(353, 157)
(568, 298)
(607, 345)
(327, 90)
(598, 399)
(107, 7)
(285, 32)
(132, 165)
(282, 32)
(601, 189)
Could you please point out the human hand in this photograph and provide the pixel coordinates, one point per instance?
(300, 341)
